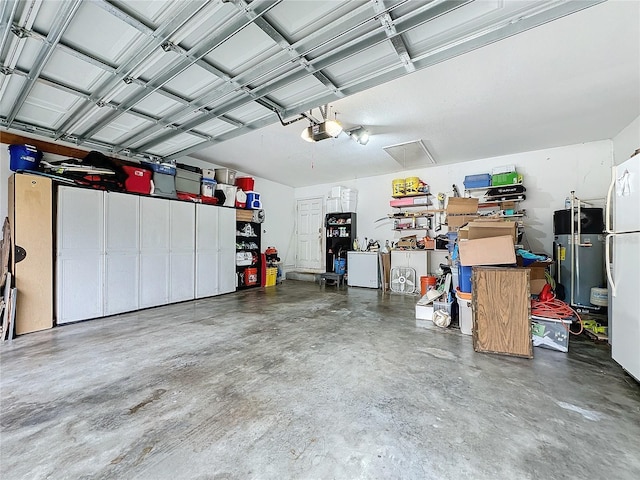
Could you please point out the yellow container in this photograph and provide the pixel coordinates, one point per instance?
(411, 185)
(398, 187)
(272, 275)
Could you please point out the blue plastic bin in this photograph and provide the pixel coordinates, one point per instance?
(339, 265)
(464, 278)
(24, 157)
(477, 181)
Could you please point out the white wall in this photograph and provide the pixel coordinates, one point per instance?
(626, 142)
(549, 176)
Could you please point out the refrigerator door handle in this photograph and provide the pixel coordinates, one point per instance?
(607, 206)
(608, 262)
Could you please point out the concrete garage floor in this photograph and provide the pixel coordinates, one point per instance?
(302, 382)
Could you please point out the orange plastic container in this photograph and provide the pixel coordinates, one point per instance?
(427, 283)
(250, 276)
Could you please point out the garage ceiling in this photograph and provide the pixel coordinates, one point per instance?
(234, 83)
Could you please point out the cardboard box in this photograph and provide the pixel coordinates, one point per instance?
(456, 221)
(537, 276)
(463, 233)
(487, 251)
(462, 206)
(494, 228)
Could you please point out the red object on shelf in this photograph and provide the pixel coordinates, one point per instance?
(192, 197)
(138, 180)
(245, 183)
(250, 276)
(209, 200)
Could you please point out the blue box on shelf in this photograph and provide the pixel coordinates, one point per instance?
(477, 181)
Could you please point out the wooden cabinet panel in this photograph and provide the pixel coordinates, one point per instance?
(502, 311)
(30, 214)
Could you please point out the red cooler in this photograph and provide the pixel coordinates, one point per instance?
(138, 181)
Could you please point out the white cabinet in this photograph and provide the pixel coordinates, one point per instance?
(118, 252)
(207, 263)
(227, 250)
(154, 251)
(215, 250)
(181, 251)
(416, 259)
(80, 254)
(122, 246)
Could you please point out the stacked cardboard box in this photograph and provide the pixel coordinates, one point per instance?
(461, 211)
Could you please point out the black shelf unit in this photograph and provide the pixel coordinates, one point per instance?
(248, 246)
(340, 233)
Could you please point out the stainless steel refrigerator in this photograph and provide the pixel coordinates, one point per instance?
(623, 271)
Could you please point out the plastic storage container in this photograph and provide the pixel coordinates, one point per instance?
(501, 179)
(334, 205)
(188, 180)
(164, 185)
(464, 278)
(24, 157)
(253, 201)
(477, 181)
(250, 276)
(138, 180)
(465, 319)
(272, 276)
(164, 168)
(207, 187)
(226, 176)
(229, 194)
(245, 183)
(209, 173)
(349, 200)
(550, 333)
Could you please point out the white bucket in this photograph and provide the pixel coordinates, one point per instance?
(599, 297)
(464, 315)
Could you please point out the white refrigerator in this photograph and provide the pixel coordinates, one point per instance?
(362, 269)
(623, 269)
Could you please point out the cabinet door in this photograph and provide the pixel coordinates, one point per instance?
(154, 251)
(122, 270)
(182, 251)
(206, 250)
(226, 250)
(80, 254)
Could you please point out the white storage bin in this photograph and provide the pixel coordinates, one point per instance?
(349, 199)
(464, 315)
(336, 192)
(229, 193)
(334, 205)
(209, 173)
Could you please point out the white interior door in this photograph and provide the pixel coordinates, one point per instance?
(122, 246)
(309, 224)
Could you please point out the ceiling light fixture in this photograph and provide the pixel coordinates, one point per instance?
(317, 131)
(359, 134)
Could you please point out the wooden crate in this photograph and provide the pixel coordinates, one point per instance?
(502, 311)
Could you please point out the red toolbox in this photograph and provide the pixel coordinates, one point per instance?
(138, 180)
